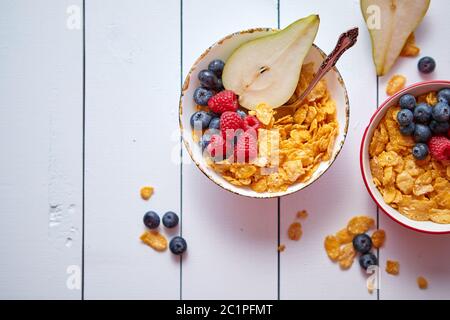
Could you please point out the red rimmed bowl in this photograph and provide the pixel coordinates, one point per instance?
(416, 90)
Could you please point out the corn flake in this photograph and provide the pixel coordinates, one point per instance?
(378, 238)
(395, 84)
(332, 247)
(392, 267)
(360, 224)
(155, 240)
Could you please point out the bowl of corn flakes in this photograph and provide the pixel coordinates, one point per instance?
(296, 143)
(413, 192)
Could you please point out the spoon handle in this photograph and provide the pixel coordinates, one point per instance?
(346, 41)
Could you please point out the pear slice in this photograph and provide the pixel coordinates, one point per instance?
(397, 20)
(267, 69)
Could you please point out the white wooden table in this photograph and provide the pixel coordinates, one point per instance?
(79, 140)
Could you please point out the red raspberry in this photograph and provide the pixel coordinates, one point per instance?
(230, 122)
(251, 123)
(246, 148)
(439, 148)
(223, 101)
(217, 147)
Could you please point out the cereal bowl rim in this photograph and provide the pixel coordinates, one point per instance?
(363, 155)
(255, 195)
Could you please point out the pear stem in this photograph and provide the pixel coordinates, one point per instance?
(345, 41)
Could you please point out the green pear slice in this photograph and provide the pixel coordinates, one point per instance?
(390, 23)
(267, 69)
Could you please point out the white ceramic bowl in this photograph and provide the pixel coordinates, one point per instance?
(416, 90)
(222, 50)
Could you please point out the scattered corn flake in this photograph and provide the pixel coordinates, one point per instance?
(281, 247)
(264, 113)
(360, 224)
(303, 214)
(378, 238)
(410, 48)
(344, 236)
(392, 267)
(332, 247)
(395, 84)
(146, 192)
(155, 240)
(422, 282)
(295, 231)
(346, 256)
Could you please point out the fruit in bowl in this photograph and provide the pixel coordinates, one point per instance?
(405, 157)
(237, 119)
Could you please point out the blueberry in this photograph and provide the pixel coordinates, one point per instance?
(206, 138)
(439, 127)
(242, 114)
(367, 260)
(405, 117)
(422, 133)
(441, 112)
(420, 151)
(408, 130)
(422, 113)
(170, 219)
(200, 120)
(407, 101)
(208, 79)
(216, 66)
(444, 95)
(362, 243)
(151, 220)
(215, 123)
(220, 86)
(426, 65)
(202, 96)
(177, 245)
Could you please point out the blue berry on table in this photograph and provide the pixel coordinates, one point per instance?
(216, 66)
(242, 114)
(367, 260)
(439, 127)
(441, 112)
(422, 113)
(202, 96)
(426, 65)
(444, 95)
(408, 130)
(208, 79)
(200, 120)
(362, 243)
(405, 117)
(151, 220)
(214, 123)
(170, 219)
(420, 151)
(407, 101)
(422, 133)
(177, 245)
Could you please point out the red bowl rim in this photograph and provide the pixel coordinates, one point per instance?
(366, 183)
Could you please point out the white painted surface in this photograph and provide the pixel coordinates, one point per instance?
(41, 147)
(132, 87)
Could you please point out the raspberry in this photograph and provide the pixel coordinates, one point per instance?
(217, 147)
(230, 122)
(439, 148)
(223, 101)
(251, 123)
(246, 148)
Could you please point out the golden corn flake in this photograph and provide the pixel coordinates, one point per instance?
(281, 247)
(344, 237)
(395, 84)
(418, 189)
(422, 282)
(303, 214)
(332, 247)
(155, 240)
(346, 256)
(295, 231)
(378, 238)
(360, 224)
(392, 267)
(264, 113)
(410, 49)
(146, 192)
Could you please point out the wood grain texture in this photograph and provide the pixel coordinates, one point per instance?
(41, 143)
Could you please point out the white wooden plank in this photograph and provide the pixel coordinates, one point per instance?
(133, 85)
(232, 240)
(306, 271)
(419, 254)
(41, 143)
